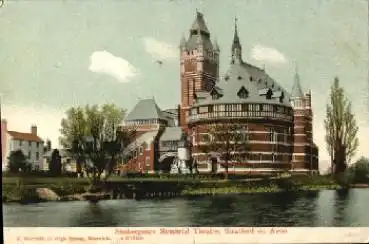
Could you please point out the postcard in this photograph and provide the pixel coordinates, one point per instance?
(184, 121)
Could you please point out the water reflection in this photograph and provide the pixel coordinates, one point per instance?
(324, 208)
(94, 214)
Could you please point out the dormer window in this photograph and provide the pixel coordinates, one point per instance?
(214, 94)
(239, 77)
(269, 94)
(243, 93)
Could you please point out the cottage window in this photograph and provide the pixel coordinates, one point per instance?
(37, 155)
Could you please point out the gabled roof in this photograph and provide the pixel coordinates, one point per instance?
(24, 136)
(145, 109)
(172, 134)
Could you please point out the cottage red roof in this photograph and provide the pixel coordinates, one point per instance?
(24, 136)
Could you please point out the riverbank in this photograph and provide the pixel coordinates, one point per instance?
(27, 190)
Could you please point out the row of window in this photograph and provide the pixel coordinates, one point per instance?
(37, 155)
(260, 157)
(242, 108)
(240, 115)
(245, 135)
(145, 121)
(38, 144)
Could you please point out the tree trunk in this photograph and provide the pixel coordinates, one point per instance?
(226, 170)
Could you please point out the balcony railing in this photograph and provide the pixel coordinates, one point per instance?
(237, 115)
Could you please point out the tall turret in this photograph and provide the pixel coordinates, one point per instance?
(236, 46)
(199, 61)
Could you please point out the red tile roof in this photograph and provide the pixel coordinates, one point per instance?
(24, 136)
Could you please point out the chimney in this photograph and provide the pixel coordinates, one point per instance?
(34, 130)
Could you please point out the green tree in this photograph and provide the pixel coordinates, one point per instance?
(91, 135)
(341, 129)
(360, 170)
(228, 142)
(17, 162)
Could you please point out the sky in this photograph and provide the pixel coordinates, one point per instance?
(62, 53)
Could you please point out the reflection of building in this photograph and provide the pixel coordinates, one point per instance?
(277, 124)
(29, 143)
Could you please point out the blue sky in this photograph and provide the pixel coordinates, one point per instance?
(62, 53)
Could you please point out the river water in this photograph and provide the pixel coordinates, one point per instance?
(322, 208)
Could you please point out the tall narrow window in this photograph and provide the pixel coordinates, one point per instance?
(271, 134)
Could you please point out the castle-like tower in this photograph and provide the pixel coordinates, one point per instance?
(199, 65)
(305, 152)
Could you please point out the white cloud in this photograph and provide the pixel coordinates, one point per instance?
(47, 120)
(159, 49)
(106, 63)
(267, 54)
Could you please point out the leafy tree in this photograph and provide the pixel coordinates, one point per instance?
(91, 135)
(55, 166)
(228, 142)
(360, 170)
(17, 162)
(341, 129)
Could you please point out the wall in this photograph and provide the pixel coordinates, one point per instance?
(28, 149)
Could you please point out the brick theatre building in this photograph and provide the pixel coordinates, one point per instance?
(277, 124)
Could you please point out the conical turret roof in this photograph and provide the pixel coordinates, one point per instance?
(296, 88)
